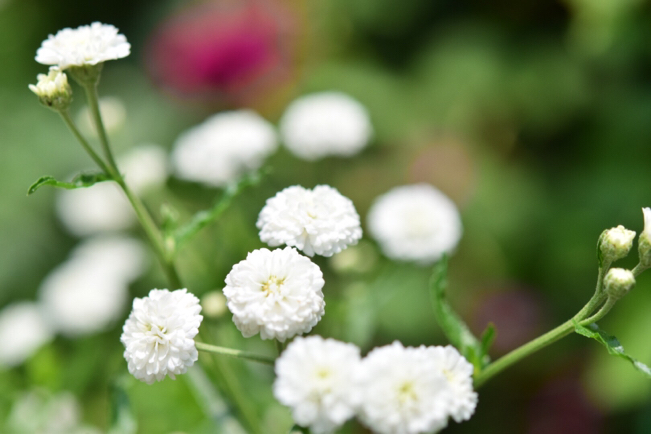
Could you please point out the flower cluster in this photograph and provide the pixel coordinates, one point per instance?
(85, 45)
(224, 147)
(392, 390)
(319, 221)
(415, 223)
(159, 334)
(275, 293)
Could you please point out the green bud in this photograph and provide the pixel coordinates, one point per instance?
(618, 282)
(53, 90)
(614, 244)
(644, 242)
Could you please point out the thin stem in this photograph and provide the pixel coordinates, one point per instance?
(542, 341)
(639, 268)
(93, 103)
(238, 354)
(84, 143)
(610, 302)
(280, 347)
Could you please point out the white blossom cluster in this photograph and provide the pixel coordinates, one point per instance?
(415, 223)
(393, 390)
(323, 124)
(85, 45)
(319, 221)
(224, 147)
(159, 334)
(275, 293)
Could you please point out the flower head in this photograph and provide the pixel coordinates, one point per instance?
(275, 293)
(403, 391)
(85, 45)
(615, 243)
(316, 377)
(415, 223)
(159, 334)
(618, 282)
(23, 330)
(224, 147)
(462, 399)
(320, 221)
(327, 123)
(644, 242)
(53, 90)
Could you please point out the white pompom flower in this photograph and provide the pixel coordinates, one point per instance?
(159, 334)
(320, 221)
(23, 330)
(224, 147)
(415, 223)
(403, 391)
(326, 123)
(462, 398)
(317, 377)
(275, 293)
(85, 45)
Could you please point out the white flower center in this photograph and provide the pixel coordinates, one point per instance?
(273, 285)
(407, 393)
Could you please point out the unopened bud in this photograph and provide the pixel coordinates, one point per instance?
(644, 242)
(53, 90)
(615, 244)
(618, 282)
(213, 304)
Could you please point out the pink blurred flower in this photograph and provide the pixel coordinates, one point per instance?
(231, 50)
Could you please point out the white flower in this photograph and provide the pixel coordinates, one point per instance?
(320, 221)
(327, 123)
(415, 223)
(317, 377)
(81, 297)
(159, 334)
(39, 412)
(275, 293)
(462, 399)
(114, 115)
(403, 391)
(223, 147)
(53, 89)
(23, 330)
(85, 45)
(100, 208)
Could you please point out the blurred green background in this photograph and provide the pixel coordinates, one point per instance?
(534, 117)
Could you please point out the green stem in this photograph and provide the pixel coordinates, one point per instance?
(280, 347)
(610, 302)
(639, 268)
(73, 129)
(238, 354)
(93, 103)
(548, 338)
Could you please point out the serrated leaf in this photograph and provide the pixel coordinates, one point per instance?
(123, 420)
(612, 345)
(82, 180)
(452, 325)
(204, 218)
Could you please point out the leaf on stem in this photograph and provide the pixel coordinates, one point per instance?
(205, 217)
(453, 326)
(612, 345)
(488, 337)
(82, 180)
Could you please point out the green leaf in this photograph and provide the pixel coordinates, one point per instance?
(204, 218)
(298, 429)
(123, 420)
(488, 337)
(80, 181)
(612, 345)
(452, 325)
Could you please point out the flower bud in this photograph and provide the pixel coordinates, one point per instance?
(53, 90)
(644, 242)
(615, 243)
(618, 282)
